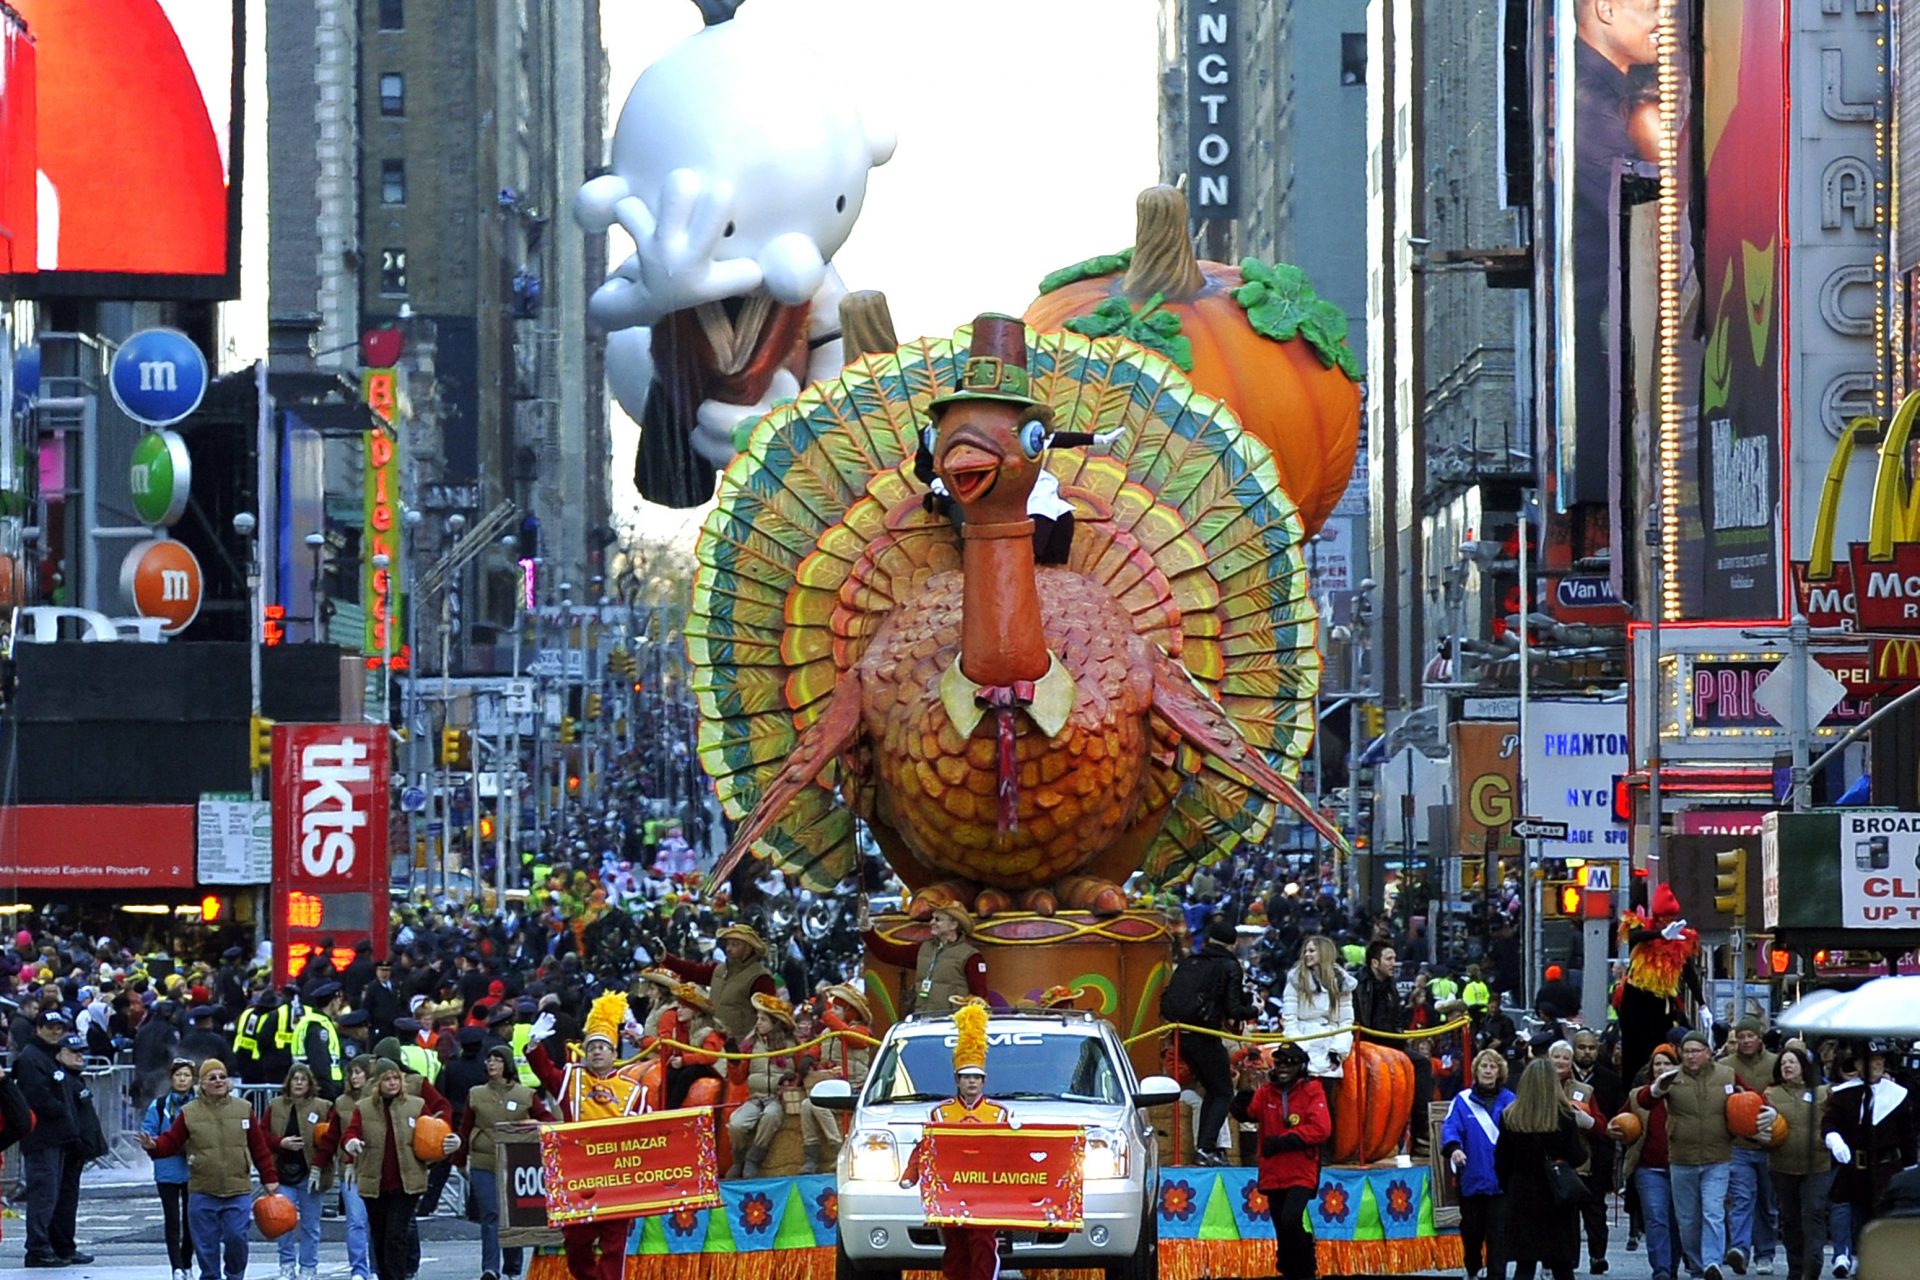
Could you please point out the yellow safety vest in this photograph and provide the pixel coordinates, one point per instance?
(246, 1033)
(310, 1019)
(421, 1060)
(522, 1034)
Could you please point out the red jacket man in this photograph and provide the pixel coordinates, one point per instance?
(1290, 1111)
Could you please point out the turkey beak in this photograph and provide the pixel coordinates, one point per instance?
(971, 472)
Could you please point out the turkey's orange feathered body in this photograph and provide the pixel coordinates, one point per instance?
(1078, 791)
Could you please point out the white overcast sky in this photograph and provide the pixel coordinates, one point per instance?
(1065, 92)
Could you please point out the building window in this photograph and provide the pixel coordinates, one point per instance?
(392, 15)
(393, 272)
(1353, 58)
(393, 182)
(393, 94)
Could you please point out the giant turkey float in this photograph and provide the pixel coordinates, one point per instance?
(1046, 732)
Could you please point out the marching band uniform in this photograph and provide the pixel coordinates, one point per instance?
(973, 1253)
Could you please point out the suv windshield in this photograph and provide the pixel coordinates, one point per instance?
(1020, 1065)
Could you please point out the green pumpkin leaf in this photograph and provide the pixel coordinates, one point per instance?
(1106, 264)
(1281, 305)
(1149, 326)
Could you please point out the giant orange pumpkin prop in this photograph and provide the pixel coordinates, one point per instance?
(430, 1134)
(1254, 336)
(1376, 1101)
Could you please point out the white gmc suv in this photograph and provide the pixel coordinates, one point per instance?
(1065, 1069)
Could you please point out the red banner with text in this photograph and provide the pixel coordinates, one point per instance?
(993, 1176)
(630, 1167)
(329, 842)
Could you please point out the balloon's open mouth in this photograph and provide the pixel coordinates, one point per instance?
(971, 472)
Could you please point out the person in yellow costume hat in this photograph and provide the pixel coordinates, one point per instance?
(972, 1253)
(592, 1089)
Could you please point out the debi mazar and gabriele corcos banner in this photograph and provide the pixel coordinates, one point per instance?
(630, 1167)
(988, 1176)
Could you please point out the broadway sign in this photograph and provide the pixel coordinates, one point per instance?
(989, 1176)
(630, 1167)
(329, 842)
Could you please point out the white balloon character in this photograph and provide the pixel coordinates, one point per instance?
(739, 167)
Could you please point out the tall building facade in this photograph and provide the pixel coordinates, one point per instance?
(424, 157)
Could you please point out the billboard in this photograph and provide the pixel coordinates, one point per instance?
(1486, 768)
(329, 841)
(1573, 751)
(19, 248)
(136, 145)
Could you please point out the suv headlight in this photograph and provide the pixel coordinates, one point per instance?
(873, 1156)
(1107, 1155)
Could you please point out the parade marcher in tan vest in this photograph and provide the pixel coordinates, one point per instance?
(946, 967)
(291, 1119)
(501, 1103)
(734, 982)
(391, 1177)
(758, 1119)
(359, 1073)
(846, 1057)
(224, 1148)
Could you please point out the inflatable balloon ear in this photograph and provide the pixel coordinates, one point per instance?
(740, 165)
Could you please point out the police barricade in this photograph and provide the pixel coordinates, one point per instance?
(258, 1096)
(112, 1089)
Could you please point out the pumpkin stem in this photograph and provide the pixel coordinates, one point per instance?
(866, 324)
(1163, 257)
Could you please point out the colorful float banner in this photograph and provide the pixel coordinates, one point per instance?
(1213, 1222)
(990, 1176)
(630, 1166)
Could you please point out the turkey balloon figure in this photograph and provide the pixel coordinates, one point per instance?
(738, 178)
(1014, 735)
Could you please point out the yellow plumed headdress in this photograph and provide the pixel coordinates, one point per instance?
(605, 1018)
(970, 1046)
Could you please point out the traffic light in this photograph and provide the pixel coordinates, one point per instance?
(568, 729)
(212, 908)
(593, 707)
(454, 749)
(259, 743)
(486, 826)
(621, 663)
(1730, 883)
(1560, 899)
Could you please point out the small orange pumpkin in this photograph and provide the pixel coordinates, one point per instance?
(1626, 1127)
(275, 1215)
(1376, 1101)
(1778, 1134)
(430, 1134)
(1294, 387)
(1743, 1114)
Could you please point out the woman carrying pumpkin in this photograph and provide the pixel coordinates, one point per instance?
(1642, 1125)
(1290, 1112)
(1468, 1137)
(353, 1209)
(1801, 1167)
(224, 1148)
(502, 1104)
(1319, 999)
(759, 1118)
(170, 1173)
(1538, 1132)
(292, 1118)
(381, 1139)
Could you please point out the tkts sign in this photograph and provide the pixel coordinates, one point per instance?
(329, 842)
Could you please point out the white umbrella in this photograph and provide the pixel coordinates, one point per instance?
(1805, 1013)
(1883, 1007)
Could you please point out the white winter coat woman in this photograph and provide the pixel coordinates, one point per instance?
(1318, 998)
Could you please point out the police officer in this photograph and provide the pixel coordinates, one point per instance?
(49, 1075)
(318, 1036)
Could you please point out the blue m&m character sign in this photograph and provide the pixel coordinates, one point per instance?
(158, 377)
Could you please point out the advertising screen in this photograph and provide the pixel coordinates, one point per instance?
(18, 248)
(329, 842)
(136, 146)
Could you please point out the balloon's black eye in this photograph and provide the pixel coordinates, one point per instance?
(729, 230)
(840, 205)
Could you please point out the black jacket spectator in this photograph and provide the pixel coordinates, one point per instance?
(1376, 1003)
(54, 1094)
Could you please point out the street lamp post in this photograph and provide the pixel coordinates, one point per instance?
(316, 543)
(245, 525)
(410, 713)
